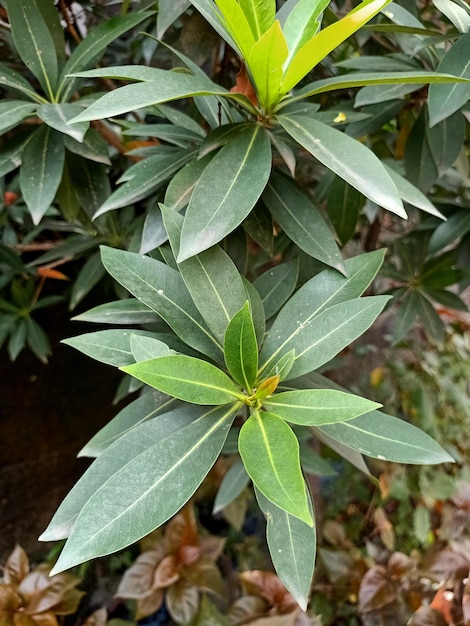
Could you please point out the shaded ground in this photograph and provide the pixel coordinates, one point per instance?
(47, 413)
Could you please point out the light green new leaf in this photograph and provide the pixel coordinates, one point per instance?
(302, 23)
(237, 25)
(292, 545)
(443, 100)
(170, 86)
(12, 112)
(241, 348)
(111, 346)
(322, 291)
(149, 489)
(58, 116)
(146, 407)
(15, 82)
(92, 47)
(315, 407)
(320, 339)
(236, 177)
(276, 285)
(127, 311)
(233, 483)
(144, 178)
(211, 277)
(162, 289)
(34, 42)
(300, 219)
(41, 171)
(388, 438)
(319, 46)
(265, 61)
(348, 158)
(270, 453)
(186, 378)
(260, 15)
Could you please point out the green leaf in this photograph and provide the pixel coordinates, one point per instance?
(186, 378)
(211, 277)
(302, 23)
(34, 42)
(58, 116)
(153, 232)
(37, 340)
(320, 45)
(112, 346)
(282, 367)
(348, 158)
(292, 545)
(313, 463)
(265, 61)
(180, 189)
(301, 221)
(420, 167)
(443, 100)
(168, 12)
(90, 275)
(15, 82)
(459, 16)
(90, 182)
(235, 179)
(276, 285)
(260, 15)
(144, 178)
(241, 348)
(318, 294)
(211, 13)
(127, 311)
(93, 147)
(142, 410)
(411, 194)
(162, 289)
(236, 23)
(170, 133)
(343, 205)
(145, 348)
(257, 310)
(405, 316)
(169, 86)
(376, 94)
(388, 438)
(233, 483)
(446, 140)
(13, 112)
(143, 462)
(454, 228)
(432, 323)
(315, 407)
(270, 453)
(41, 171)
(91, 48)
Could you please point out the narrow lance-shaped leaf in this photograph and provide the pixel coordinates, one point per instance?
(276, 285)
(186, 378)
(260, 15)
(292, 545)
(162, 289)
(58, 116)
(314, 407)
(235, 21)
(41, 171)
(148, 490)
(233, 483)
(270, 453)
(348, 158)
(319, 46)
(241, 348)
(15, 82)
(265, 61)
(301, 221)
(121, 452)
(12, 112)
(127, 311)
(388, 438)
(411, 194)
(34, 42)
(236, 177)
(211, 277)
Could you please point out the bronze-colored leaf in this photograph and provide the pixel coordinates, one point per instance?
(189, 554)
(376, 590)
(244, 86)
(97, 618)
(182, 601)
(444, 564)
(277, 620)
(246, 609)
(44, 593)
(10, 602)
(426, 616)
(149, 604)
(16, 567)
(268, 586)
(138, 580)
(69, 604)
(205, 575)
(182, 530)
(21, 619)
(167, 572)
(399, 564)
(211, 546)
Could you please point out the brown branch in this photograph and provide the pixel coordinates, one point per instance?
(70, 26)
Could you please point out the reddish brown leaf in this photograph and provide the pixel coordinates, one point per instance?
(246, 609)
(268, 586)
(442, 602)
(445, 564)
(182, 601)
(182, 530)
(149, 605)
(244, 86)
(189, 554)
(16, 567)
(10, 599)
(167, 572)
(427, 617)
(138, 580)
(212, 546)
(9, 198)
(204, 575)
(376, 590)
(399, 564)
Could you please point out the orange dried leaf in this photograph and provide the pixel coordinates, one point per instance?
(48, 272)
(442, 602)
(243, 85)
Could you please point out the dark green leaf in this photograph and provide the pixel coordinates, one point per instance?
(270, 453)
(233, 483)
(58, 116)
(420, 167)
(301, 221)
(147, 490)
(186, 378)
(41, 171)
(90, 275)
(455, 227)
(11, 80)
(37, 340)
(128, 311)
(241, 348)
(276, 285)
(348, 158)
(405, 316)
(343, 205)
(432, 323)
(445, 140)
(235, 179)
(13, 112)
(182, 184)
(93, 147)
